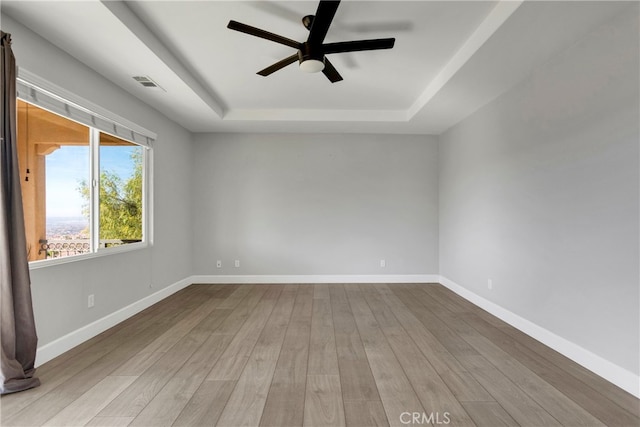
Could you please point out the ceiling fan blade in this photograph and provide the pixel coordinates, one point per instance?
(278, 65)
(330, 71)
(322, 21)
(358, 45)
(248, 29)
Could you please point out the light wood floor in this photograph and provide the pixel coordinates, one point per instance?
(316, 355)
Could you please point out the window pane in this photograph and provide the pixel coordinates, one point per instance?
(53, 154)
(68, 201)
(121, 183)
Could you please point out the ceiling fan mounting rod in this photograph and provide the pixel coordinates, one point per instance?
(307, 21)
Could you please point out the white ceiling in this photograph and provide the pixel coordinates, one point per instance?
(450, 58)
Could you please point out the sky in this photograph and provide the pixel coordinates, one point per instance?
(68, 166)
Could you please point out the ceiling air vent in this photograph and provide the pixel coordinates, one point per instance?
(147, 82)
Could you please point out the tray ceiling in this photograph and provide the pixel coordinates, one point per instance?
(450, 58)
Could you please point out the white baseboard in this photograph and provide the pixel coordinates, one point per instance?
(611, 372)
(77, 337)
(317, 278)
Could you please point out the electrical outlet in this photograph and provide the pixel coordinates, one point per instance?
(383, 263)
(219, 264)
(237, 263)
(91, 301)
(490, 284)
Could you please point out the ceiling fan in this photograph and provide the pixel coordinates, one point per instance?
(311, 53)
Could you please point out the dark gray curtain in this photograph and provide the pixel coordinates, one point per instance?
(18, 340)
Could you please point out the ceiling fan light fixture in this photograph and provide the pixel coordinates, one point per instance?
(312, 65)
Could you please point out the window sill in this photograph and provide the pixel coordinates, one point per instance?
(34, 265)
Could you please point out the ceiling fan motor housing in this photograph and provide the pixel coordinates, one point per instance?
(311, 60)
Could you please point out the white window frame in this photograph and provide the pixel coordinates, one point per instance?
(121, 129)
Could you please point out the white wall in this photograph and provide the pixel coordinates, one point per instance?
(539, 191)
(289, 204)
(60, 292)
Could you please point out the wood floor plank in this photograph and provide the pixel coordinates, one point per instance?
(439, 328)
(321, 290)
(231, 363)
(285, 401)
(562, 368)
(323, 402)
(562, 365)
(461, 383)
(362, 404)
(348, 341)
(206, 405)
(512, 398)
(555, 403)
(490, 341)
(137, 396)
(489, 414)
(109, 422)
(322, 348)
(355, 374)
(167, 405)
(465, 387)
(175, 352)
(364, 413)
(246, 403)
(213, 321)
(148, 355)
(515, 401)
(238, 294)
(441, 295)
(540, 376)
(357, 381)
(242, 309)
(601, 407)
(409, 314)
(87, 406)
(431, 390)
(395, 389)
(591, 392)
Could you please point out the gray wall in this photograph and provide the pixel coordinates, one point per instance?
(539, 191)
(60, 292)
(315, 204)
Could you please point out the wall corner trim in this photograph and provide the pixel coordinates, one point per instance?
(65, 343)
(611, 372)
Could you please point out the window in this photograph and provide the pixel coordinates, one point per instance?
(121, 190)
(84, 183)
